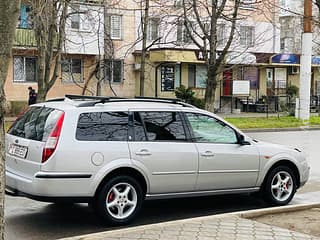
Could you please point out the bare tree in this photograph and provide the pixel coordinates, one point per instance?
(49, 18)
(204, 30)
(9, 15)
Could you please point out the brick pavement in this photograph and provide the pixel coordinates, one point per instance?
(219, 227)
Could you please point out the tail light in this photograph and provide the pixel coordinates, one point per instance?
(53, 139)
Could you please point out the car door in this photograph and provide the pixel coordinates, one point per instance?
(160, 148)
(223, 162)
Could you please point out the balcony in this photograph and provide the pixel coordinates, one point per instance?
(25, 38)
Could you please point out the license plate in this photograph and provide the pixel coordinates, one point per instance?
(17, 150)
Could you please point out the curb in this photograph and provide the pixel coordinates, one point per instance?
(241, 214)
(275, 210)
(306, 128)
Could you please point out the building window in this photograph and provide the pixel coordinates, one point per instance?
(247, 36)
(80, 18)
(25, 19)
(72, 71)
(178, 3)
(75, 17)
(24, 69)
(114, 71)
(115, 26)
(247, 4)
(153, 29)
(197, 76)
(220, 34)
(182, 34)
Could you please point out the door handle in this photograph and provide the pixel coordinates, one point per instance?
(207, 154)
(143, 152)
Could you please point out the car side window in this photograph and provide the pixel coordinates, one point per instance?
(102, 126)
(210, 130)
(161, 126)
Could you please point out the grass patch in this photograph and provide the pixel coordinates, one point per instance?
(314, 120)
(270, 122)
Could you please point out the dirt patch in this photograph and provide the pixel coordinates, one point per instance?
(304, 221)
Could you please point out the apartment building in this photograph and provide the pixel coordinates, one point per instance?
(174, 59)
(264, 53)
(81, 49)
(291, 25)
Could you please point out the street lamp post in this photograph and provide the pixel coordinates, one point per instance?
(305, 61)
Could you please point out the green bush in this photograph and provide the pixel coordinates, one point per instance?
(187, 95)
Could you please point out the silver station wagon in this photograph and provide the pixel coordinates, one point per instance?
(116, 153)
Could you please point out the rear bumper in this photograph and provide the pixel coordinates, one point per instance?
(50, 185)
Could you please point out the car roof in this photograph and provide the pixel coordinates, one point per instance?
(85, 103)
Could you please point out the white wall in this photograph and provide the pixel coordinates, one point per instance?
(89, 39)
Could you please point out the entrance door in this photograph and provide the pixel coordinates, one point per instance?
(227, 83)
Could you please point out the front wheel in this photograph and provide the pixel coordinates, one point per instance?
(280, 186)
(119, 200)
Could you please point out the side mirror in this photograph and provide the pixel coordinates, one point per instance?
(242, 140)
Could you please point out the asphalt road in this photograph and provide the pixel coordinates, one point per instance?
(27, 219)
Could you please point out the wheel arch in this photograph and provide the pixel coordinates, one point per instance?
(288, 164)
(127, 171)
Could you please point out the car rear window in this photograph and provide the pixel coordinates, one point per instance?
(102, 126)
(36, 124)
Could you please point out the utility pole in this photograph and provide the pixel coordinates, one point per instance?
(305, 61)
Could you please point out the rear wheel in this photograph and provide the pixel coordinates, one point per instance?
(280, 186)
(119, 201)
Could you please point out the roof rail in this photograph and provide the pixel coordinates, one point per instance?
(93, 100)
(86, 97)
(55, 100)
(166, 100)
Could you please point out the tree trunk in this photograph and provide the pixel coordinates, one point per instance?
(49, 19)
(144, 46)
(9, 14)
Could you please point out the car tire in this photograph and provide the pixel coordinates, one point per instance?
(119, 200)
(280, 186)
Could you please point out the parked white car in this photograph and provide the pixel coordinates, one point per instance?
(115, 153)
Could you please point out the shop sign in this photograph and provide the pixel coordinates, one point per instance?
(315, 60)
(240, 58)
(167, 78)
(285, 58)
(200, 55)
(241, 87)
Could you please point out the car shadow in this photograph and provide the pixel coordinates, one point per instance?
(52, 221)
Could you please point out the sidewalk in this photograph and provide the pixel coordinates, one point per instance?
(224, 226)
